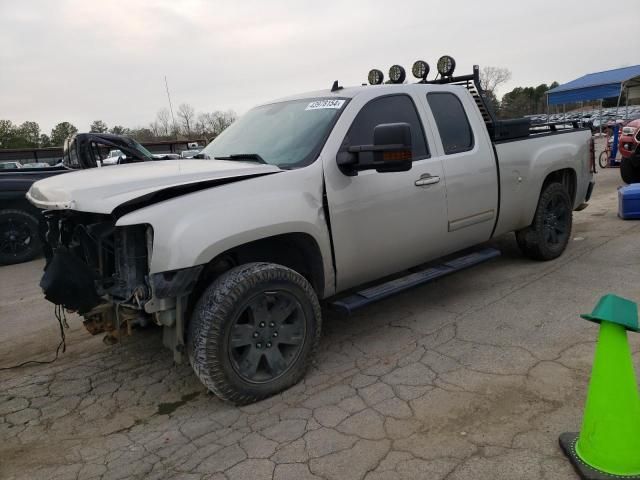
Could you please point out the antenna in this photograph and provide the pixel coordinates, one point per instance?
(170, 106)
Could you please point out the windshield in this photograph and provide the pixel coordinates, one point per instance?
(287, 134)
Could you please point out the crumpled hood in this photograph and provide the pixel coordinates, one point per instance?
(101, 190)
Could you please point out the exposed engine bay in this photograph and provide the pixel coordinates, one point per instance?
(101, 272)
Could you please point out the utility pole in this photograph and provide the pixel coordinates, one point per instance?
(166, 84)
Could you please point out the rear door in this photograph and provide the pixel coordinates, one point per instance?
(383, 223)
(464, 147)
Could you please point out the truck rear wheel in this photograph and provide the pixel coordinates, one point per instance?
(253, 332)
(547, 237)
(19, 236)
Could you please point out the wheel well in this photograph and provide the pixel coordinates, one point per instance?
(566, 177)
(297, 251)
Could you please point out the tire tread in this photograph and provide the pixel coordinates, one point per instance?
(212, 310)
(530, 240)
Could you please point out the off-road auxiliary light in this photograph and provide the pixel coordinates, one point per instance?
(420, 69)
(376, 77)
(397, 74)
(446, 66)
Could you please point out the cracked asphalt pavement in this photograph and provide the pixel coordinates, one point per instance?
(471, 377)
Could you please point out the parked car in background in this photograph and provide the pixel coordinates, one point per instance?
(20, 221)
(113, 157)
(166, 156)
(629, 138)
(10, 165)
(36, 165)
(189, 153)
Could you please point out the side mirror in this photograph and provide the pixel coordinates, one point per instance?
(391, 151)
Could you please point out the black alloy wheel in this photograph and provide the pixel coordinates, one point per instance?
(556, 224)
(267, 337)
(19, 236)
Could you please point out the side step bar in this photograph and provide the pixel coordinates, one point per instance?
(384, 290)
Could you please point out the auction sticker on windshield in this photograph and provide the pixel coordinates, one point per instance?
(318, 104)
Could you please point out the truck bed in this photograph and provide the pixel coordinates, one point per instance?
(524, 163)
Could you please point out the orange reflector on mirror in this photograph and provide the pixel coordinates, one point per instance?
(396, 156)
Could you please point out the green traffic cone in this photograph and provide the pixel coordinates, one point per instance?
(609, 442)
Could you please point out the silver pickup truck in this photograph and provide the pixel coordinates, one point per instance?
(302, 199)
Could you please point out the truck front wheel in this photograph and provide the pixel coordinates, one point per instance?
(547, 237)
(253, 332)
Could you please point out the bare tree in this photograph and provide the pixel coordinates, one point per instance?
(209, 120)
(187, 115)
(201, 125)
(492, 77)
(155, 128)
(221, 120)
(164, 122)
(212, 124)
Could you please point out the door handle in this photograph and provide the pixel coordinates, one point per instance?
(427, 179)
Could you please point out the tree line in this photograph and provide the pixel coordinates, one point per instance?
(185, 125)
(518, 102)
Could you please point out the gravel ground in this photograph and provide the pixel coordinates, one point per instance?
(471, 377)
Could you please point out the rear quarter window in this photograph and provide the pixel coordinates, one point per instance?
(452, 122)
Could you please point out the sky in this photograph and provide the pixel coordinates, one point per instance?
(83, 60)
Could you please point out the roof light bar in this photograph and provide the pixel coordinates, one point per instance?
(420, 69)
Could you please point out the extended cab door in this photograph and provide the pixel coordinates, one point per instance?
(466, 152)
(383, 223)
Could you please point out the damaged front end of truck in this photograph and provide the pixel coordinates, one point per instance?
(99, 266)
(101, 271)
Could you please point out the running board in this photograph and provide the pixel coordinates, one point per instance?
(384, 290)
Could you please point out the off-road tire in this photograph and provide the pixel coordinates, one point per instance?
(14, 224)
(534, 240)
(629, 172)
(215, 314)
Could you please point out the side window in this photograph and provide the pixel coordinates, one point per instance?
(391, 109)
(452, 122)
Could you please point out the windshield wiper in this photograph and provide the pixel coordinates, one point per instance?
(243, 156)
(203, 156)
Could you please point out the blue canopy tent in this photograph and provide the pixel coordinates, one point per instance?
(595, 86)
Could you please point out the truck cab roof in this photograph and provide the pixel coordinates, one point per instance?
(369, 90)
